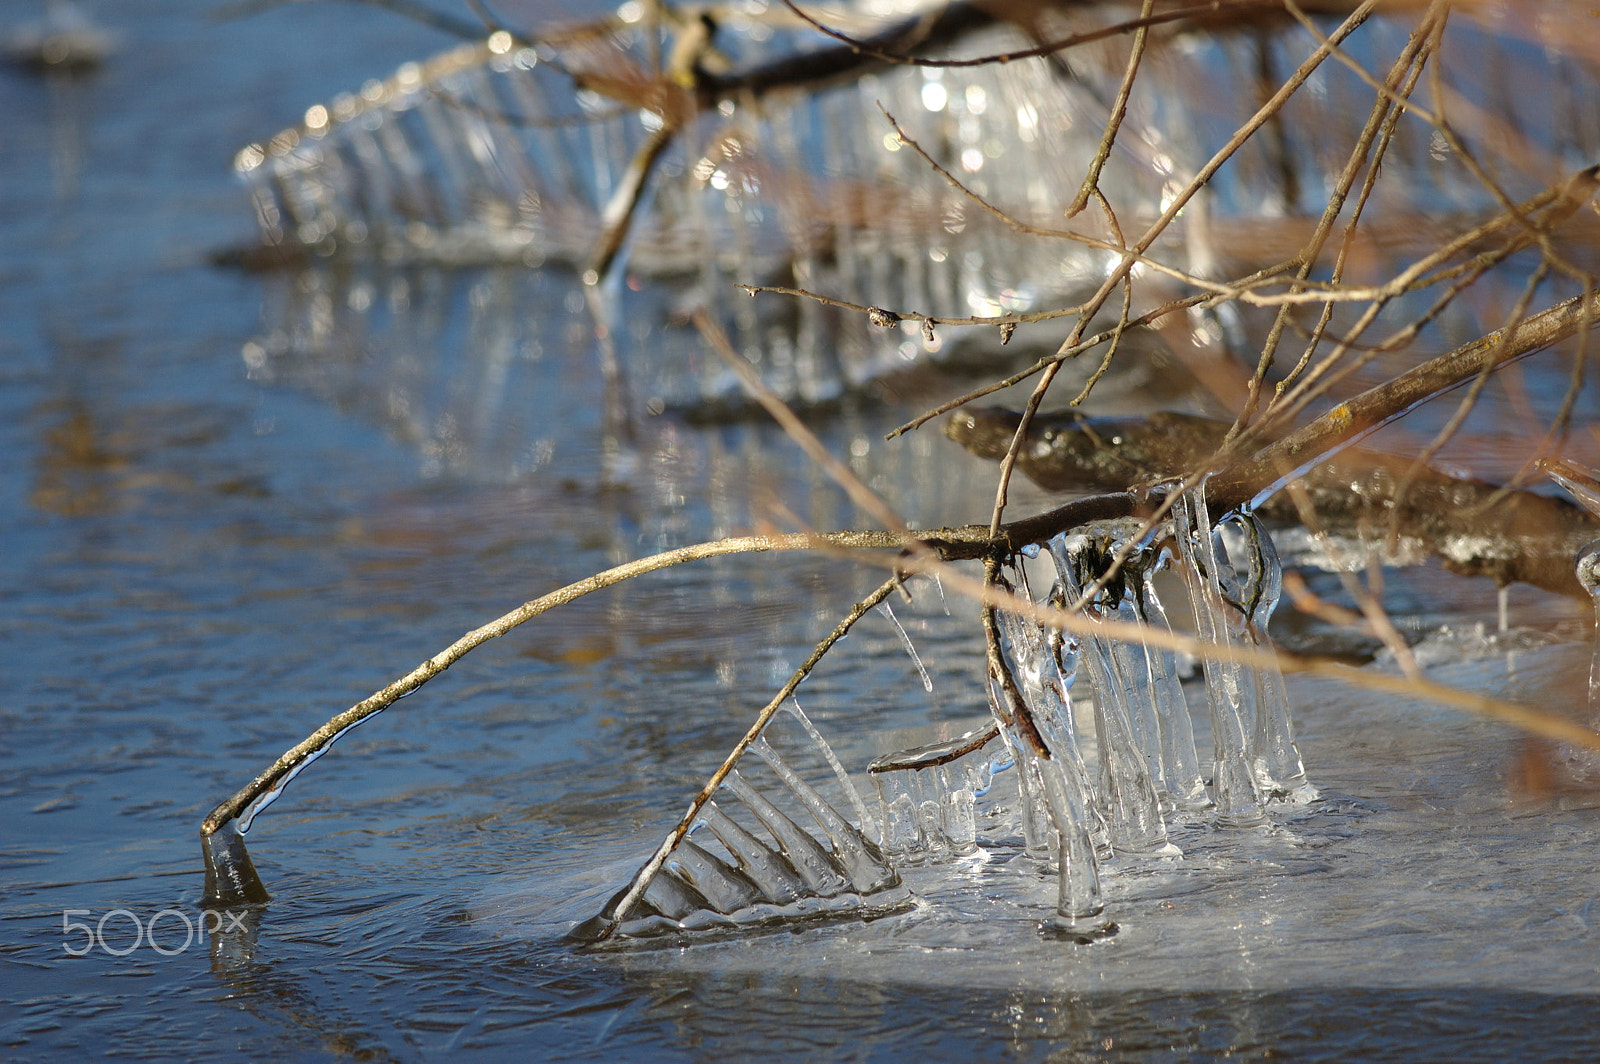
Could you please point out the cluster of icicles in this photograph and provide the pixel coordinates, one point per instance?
(1142, 768)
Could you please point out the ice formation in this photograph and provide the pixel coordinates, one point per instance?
(1110, 788)
(1143, 774)
(486, 154)
(723, 874)
(927, 796)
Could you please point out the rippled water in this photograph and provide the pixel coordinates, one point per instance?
(212, 544)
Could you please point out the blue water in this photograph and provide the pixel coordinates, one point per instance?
(208, 551)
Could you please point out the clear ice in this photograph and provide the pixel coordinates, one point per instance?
(730, 876)
(1185, 783)
(1056, 808)
(928, 795)
(927, 683)
(1127, 729)
(1254, 577)
(1235, 791)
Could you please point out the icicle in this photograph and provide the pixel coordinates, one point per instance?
(726, 890)
(822, 876)
(1050, 779)
(1045, 673)
(1180, 762)
(1233, 782)
(776, 878)
(1589, 577)
(1584, 484)
(801, 877)
(1127, 796)
(927, 796)
(854, 796)
(904, 834)
(1039, 836)
(248, 814)
(1273, 753)
(1080, 905)
(958, 807)
(853, 852)
(669, 896)
(1132, 666)
(883, 608)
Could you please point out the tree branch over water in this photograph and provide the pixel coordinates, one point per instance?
(1234, 484)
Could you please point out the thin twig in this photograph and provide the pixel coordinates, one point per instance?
(1119, 108)
(868, 49)
(405, 685)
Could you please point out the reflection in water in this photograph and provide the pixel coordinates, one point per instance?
(64, 48)
(490, 375)
(813, 1018)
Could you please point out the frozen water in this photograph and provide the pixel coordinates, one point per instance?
(927, 795)
(1589, 577)
(888, 612)
(1257, 584)
(1234, 788)
(1127, 793)
(696, 889)
(1365, 888)
(1584, 484)
(1186, 786)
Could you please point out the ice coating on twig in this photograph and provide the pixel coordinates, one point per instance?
(927, 683)
(797, 876)
(231, 877)
(927, 795)
(1145, 766)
